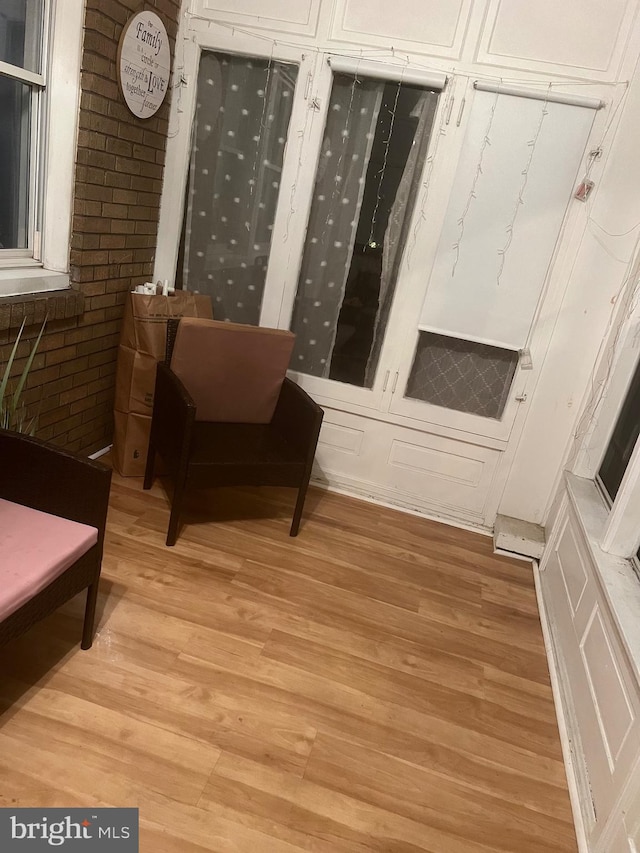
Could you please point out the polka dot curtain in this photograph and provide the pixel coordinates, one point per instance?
(397, 233)
(375, 143)
(240, 130)
(333, 221)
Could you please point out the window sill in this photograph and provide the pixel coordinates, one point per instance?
(16, 281)
(54, 298)
(616, 576)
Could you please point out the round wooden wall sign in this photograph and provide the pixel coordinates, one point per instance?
(144, 63)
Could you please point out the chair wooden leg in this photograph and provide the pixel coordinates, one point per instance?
(297, 513)
(89, 615)
(176, 512)
(149, 468)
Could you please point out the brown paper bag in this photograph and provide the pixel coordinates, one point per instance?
(144, 325)
(130, 443)
(135, 381)
(142, 345)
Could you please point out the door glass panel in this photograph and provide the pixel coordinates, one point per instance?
(15, 134)
(462, 375)
(240, 130)
(375, 143)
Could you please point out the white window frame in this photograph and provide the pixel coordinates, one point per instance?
(621, 533)
(45, 266)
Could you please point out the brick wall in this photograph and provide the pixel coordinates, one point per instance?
(119, 170)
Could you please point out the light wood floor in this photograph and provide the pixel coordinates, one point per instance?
(377, 684)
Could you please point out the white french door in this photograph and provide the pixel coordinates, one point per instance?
(407, 245)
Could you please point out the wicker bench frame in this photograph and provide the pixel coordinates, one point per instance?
(55, 481)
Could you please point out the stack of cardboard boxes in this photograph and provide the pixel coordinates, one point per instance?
(142, 346)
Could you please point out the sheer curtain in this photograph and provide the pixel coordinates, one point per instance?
(375, 145)
(240, 130)
(333, 220)
(397, 229)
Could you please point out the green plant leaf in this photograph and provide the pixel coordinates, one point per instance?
(7, 370)
(10, 417)
(27, 368)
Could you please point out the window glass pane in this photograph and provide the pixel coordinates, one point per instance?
(623, 439)
(15, 106)
(21, 33)
(462, 375)
(375, 143)
(242, 118)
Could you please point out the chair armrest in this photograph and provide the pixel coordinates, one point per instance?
(174, 413)
(52, 480)
(298, 417)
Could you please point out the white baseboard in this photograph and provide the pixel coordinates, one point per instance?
(563, 718)
(372, 493)
(100, 453)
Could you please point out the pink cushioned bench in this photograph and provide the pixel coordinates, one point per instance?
(53, 510)
(35, 549)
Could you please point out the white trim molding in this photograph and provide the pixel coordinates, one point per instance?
(63, 109)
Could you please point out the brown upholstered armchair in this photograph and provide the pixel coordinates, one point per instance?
(224, 413)
(53, 509)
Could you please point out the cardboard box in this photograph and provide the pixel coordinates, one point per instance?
(142, 345)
